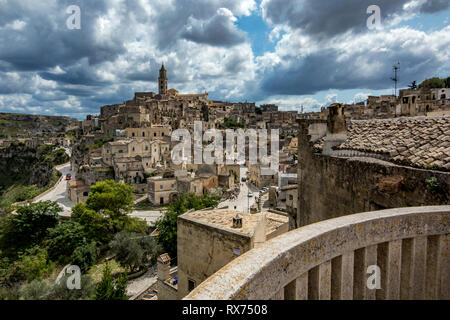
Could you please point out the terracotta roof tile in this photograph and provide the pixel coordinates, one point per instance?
(413, 141)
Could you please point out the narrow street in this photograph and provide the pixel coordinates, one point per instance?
(58, 194)
(243, 202)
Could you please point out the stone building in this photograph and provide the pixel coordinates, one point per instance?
(77, 191)
(347, 167)
(190, 185)
(262, 176)
(150, 133)
(209, 239)
(162, 190)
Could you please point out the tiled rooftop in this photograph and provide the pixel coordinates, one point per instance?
(416, 141)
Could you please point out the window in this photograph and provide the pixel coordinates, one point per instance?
(85, 194)
(154, 134)
(162, 134)
(191, 285)
(143, 134)
(146, 148)
(173, 186)
(133, 149)
(120, 151)
(132, 134)
(291, 197)
(195, 188)
(161, 187)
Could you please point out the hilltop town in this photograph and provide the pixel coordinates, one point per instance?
(387, 152)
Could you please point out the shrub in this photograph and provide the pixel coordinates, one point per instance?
(85, 256)
(134, 250)
(34, 264)
(110, 289)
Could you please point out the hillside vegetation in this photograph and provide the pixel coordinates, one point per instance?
(29, 125)
(26, 172)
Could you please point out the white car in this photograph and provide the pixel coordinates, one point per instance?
(250, 194)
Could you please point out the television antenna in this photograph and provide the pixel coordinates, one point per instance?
(396, 78)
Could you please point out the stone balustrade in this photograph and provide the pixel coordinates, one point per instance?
(331, 260)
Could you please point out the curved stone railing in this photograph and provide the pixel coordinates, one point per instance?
(331, 260)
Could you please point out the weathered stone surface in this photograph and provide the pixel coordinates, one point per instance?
(261, 272)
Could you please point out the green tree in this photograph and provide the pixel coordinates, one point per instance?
(34, 263)
(413, 85)
(64, 239)
(28, 227)
(105, 211)
(432, 83)
(5, 208)
(134, 250)
(447, 82)
(44, 290)
(110, 289)
(59, 291)
(115, 198)
(167, 226)
(85, 256)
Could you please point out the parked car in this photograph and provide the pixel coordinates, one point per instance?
(68, 177)
(244, 179)
(250, 194)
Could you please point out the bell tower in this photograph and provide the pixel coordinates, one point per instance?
(162, 80)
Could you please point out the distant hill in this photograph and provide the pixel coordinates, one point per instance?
(15, 124)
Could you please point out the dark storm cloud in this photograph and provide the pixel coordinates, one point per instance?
(79, 73)
(432, 6)
(323, 71)
(209, 27)
(45, 41)
(218, 31)
(323, 21)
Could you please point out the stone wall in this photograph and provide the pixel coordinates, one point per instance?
(329, 260)
(203, 250)
(331, 187)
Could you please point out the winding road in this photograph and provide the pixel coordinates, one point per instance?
(59, 195)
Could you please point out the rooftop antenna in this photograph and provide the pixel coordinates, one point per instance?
(395, 78)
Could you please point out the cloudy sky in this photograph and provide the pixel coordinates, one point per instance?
(290, 52)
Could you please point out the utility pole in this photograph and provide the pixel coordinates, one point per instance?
(395, 78)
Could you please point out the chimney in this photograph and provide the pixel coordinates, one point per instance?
(163, 266)
(237, 222)
(336, 128)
